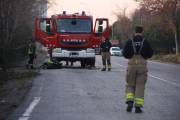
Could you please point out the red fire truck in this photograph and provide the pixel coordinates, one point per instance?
(71, 37)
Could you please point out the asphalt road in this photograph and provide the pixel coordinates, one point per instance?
(79, 94)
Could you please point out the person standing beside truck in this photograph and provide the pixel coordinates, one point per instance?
(68, 64)
(137, 50)
(105, 45)
(32, 54)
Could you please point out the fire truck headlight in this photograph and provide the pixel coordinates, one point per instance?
(90, 50)
(57, 50)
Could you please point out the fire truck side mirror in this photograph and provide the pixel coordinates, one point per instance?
(100, 22)
(100, 29)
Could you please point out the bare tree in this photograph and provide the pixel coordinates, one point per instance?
(14, 13)
(125, 25)
(171, 11)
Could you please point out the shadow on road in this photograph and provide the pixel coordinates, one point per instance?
(74, 67)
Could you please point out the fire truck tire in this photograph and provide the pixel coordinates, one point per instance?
(93, 61)
(82, 63)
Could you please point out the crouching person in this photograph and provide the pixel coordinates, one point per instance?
(53, 64)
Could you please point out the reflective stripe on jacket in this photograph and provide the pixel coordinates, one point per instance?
(32, 48)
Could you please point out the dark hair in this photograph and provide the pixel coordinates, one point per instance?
(138, 29)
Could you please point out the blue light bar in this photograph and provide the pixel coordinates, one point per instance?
(83, 12)
(64, 12)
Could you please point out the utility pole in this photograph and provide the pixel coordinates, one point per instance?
(112, 30)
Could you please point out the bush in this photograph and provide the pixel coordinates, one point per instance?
(173, 58)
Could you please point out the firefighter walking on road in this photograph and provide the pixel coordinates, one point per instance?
(137, 50)
(32, 54)
(105, 46)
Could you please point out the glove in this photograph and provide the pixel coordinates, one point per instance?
(35, 56)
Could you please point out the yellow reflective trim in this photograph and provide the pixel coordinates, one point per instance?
(30, 51)
(129, 97)
(137, 102)
(130, 94)
(104, 66)
(139, 99)
(50, 62)
(109, 66)
(136, 61)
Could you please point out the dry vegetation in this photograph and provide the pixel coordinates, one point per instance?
(171, 58)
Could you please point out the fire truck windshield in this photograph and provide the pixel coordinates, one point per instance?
(82, 25)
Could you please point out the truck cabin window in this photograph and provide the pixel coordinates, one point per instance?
(103, 24)
(64, 25)
(43, 25)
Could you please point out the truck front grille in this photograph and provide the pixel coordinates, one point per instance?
(74, 43)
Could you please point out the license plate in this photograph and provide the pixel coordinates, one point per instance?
(73, 55)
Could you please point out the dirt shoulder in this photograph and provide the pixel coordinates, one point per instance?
(20, 80)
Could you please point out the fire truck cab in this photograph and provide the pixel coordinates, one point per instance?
(71, 37)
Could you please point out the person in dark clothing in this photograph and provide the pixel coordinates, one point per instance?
(105, 45)
(67, 63)
(137, 50)
(32, 54)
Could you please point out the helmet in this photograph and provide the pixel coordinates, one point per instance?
(54, 60)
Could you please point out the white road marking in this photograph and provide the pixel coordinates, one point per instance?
(153, 76)
(31, 106)
(164, 80)
(28, 111)
(119, 64)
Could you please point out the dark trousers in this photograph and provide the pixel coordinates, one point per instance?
(31, 60)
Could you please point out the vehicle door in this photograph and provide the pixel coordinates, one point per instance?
(45, 32)
(101, 29)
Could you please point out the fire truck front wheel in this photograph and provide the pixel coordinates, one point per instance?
(93, 61)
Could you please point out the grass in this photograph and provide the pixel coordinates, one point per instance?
(11, 75)
(13, 86)
(172, 58)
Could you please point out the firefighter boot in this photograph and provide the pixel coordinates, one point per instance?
(103, 69)
(27, 66)
(138, 110)
(130, 106)
(71, 64)
(32, 67)
(109, 69)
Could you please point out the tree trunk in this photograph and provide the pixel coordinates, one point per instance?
(4, 68)
(177, 40)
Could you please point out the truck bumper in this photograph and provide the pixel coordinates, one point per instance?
(76, 55)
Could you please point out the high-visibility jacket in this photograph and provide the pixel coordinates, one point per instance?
(32, 48)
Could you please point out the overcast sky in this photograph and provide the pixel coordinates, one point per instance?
(97, 8)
